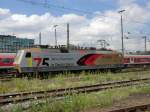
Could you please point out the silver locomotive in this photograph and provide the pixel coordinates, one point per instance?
(60, 59)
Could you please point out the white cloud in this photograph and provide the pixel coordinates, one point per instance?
(83, 30)
(4, 13)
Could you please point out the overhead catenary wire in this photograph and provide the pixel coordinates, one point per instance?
(45, 4)
(138, 22)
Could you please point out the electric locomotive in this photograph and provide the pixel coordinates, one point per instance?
(61, 59)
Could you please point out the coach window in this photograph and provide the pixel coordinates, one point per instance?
(12, 60)
(6, 60)
(136, 59)
(28, 55)
(132, 59)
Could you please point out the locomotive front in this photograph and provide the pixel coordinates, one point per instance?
(43, 60)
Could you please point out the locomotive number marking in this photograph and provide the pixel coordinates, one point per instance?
(43, 61)
(38, 60)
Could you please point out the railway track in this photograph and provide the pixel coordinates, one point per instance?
(134, 70)
(6, 77)
(27, 96)
(135, 108)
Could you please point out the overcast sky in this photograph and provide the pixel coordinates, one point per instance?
(90, 20)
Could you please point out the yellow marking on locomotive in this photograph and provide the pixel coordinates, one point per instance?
(29, 62)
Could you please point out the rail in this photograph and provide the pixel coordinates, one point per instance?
(135, 108)
(26, 96)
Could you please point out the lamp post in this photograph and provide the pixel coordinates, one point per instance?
(40, 35)
(120, 12)
(55, 34)
(68, 36)
(145, 39)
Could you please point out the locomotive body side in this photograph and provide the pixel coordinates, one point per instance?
(47, 60)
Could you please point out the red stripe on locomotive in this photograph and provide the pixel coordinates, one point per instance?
(91, 60)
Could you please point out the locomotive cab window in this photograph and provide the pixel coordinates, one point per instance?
(63, 50)
(28, 55)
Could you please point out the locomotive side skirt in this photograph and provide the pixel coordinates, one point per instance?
(71, 68)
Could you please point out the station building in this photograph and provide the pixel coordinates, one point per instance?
(11, 44)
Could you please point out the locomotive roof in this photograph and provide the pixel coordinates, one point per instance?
(58, 50)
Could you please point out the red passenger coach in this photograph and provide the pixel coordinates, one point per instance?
(137, 60)
(6, 61)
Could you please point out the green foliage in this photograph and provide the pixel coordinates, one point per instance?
(1, 110)
(82, 102)
(17, 109)
(65, 80)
